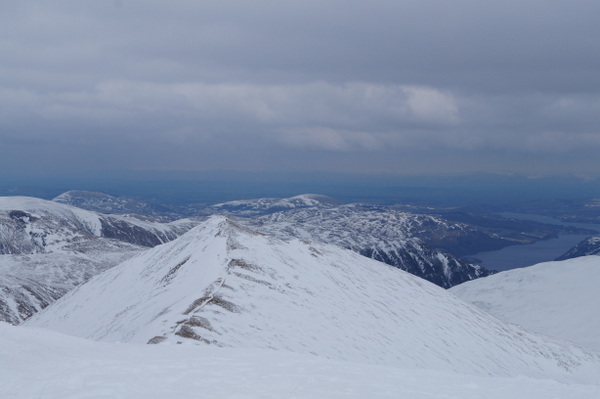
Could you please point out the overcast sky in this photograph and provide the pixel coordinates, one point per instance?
(396, 86)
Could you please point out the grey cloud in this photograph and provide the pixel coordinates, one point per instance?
(406, 85)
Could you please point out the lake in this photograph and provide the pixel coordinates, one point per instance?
(542, 251)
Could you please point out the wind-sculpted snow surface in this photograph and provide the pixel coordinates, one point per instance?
(559, 299)
(225, 285)
(379, 233)
(47, 248)
(43, 364)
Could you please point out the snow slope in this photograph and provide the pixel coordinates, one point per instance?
(559, 299)
(43, 364)
(225, 285)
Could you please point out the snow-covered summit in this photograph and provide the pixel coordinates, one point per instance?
(261, 206)
(559, 299)
(223, 284)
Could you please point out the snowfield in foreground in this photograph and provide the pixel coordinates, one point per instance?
(558, 299)
(38, 363)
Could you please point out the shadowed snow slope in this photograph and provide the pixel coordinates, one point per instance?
(554, 298)
(44, 364)
(226, 285)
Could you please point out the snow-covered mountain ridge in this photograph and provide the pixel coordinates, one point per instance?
(559, 299)
(380, 233)
(226, 285)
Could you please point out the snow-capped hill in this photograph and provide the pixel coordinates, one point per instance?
(380, 233)
(110, 204)
(262, 206)
(47, 248)
(589, 246)
(559, 299)
(226, 285)
(32, 225)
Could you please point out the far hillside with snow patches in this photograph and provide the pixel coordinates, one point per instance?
(225, 285)
(379, 233)
(47, 248)
(559, 299)
(261, 206)
(110, 204)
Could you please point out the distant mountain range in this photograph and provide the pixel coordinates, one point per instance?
(110, 204)
(397, 238)
(50, 247)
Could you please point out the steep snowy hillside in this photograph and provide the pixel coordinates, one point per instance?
(33, 225)
(110, 204)
(43, 364)
(263, 206)
(559, 299)
(225, 285)
(380, 233)
(589, 246)
(29, 283)
(48, 248)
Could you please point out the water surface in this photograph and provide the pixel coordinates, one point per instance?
(542, 251)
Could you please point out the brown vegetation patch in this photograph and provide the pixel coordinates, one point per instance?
(225, 304)
(254, 280)
(156, 340)
(202, 322)
(196, 304)
(169, 276)
(188, 332)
